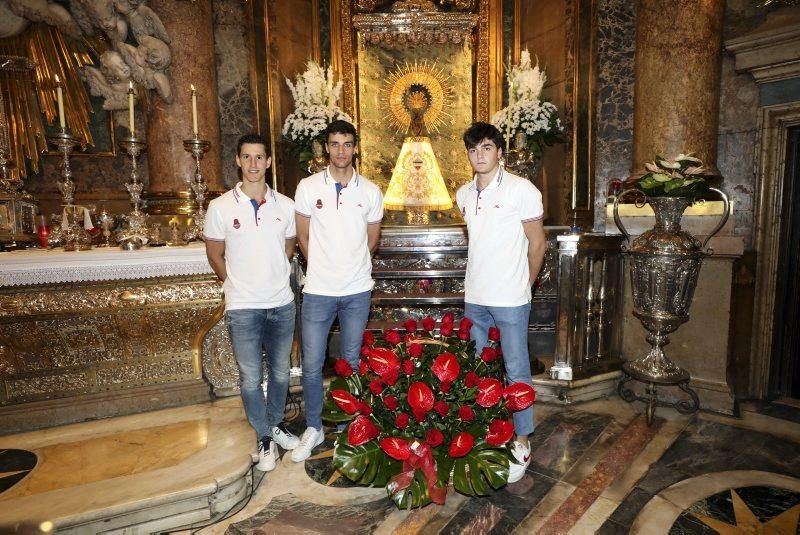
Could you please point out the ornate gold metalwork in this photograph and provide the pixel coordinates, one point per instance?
(400, 29)
(481, 110)
(407, 84)
(197, 343)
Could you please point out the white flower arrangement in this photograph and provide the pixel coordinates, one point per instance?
(315, 96)
(526, 112)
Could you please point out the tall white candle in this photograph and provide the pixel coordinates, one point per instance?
(194, 110)
(60, 98)
(131, 118)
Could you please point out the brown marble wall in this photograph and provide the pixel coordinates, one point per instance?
(236, 108)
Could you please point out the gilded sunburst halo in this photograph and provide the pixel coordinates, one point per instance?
(418, 87)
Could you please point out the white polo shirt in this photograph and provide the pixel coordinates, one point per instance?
(497, 264)
(338, 255)
(255, 247)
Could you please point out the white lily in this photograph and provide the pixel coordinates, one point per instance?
(688, 158)
(668, 164)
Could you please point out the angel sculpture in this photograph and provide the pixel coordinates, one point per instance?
(143, 20)
(46, 11)
(110, 81)
(148, 62)
(102, 15)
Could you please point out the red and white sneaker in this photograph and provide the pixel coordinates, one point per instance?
(522, 456)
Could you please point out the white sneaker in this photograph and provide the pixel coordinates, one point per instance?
(311, 439)
(285, 438)
(267, 454)
(522, 456)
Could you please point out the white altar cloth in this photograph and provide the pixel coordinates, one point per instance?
(38, 266)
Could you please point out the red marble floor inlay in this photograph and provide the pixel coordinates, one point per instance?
(617, 459)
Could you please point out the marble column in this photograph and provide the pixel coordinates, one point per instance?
(676, 92)
(189, 25)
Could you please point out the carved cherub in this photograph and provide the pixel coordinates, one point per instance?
(110, 81)
(48, 12)
(104, 16)
(147, 62)
(143, 20)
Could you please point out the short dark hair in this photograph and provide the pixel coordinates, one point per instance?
(340, 126)
(254, 139)
(480, 131)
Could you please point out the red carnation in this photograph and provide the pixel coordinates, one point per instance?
(391, 377)
(446, 330)
(401, 420)
(489, 354)
(365, 350)
(361, 431)
(392, 336)
(363, 367)
(419, 414)
(376, 387)
(434, 438)
(445, 386)
(396, 448)
(500, 432)
(448, 319)
(428, 323)
(391, 403)
(415, 349)
(363, 408)
(461, 445)
(519, 396)
(420, 396)
(383, 361)
(442, 408)
(369, 338)
(489, 392)
(408, 367)
(494, 334)
(466, 413)
(345, 401)
(471, 379)
(465, 324)
(343, 368)
(446, 367)
(410, 326)
(463, 335)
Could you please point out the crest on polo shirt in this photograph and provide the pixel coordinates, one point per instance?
(319, 203)
(236, 224)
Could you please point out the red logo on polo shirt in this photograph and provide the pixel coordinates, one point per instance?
(319, 203)
(236, 223)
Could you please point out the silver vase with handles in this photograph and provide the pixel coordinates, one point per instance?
(665, 264)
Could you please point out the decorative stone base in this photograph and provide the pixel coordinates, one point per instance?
(567, 392)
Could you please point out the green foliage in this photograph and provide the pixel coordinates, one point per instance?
(366, 464)
(481, 470)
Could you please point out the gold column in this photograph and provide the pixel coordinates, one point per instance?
(193, 62)
(676, 92)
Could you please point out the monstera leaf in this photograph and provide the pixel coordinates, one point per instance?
(333, 412)
(366, 464)
(481, 470)
(414, 495)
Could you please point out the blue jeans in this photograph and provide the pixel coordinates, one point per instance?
(252, 331)
(317, 316)
(513, 325)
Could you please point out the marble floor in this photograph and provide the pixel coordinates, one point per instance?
(597, 468)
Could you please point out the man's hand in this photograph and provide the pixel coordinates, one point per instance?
(537, 243)
(215, 252)
(303, 224)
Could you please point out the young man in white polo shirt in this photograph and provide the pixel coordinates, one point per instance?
(506, 246)
(250, 235)
(338, 225)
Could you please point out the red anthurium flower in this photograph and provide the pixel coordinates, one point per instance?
(445, 386)
(401, 420)
(364, 408)
(446, 330)
(391, 403)
(471, 379)
(345, 401)
(362, 430)
(420, 396)
(461, 444)
(489, 354)
(428, 323)
(494, 334)
(376, 387)
(500, 432)
(434, 438)
(343, 368)
(369, 338)
(465, 324)
(415, 349)
(408, 367)
(489, 392)
(442, 408)
(392, 336)
(466, 413)
(419, 414)
(446, 367)
(383, 361)
(363, 367)
(410, 326)
(396, 448)
(448, 319)
(519, 396)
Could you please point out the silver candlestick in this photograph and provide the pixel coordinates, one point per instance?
(197, 147)
(65, 143)
(136, 234)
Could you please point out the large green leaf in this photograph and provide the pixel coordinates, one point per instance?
(366, 464)
(415, 495)
(481, 470)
